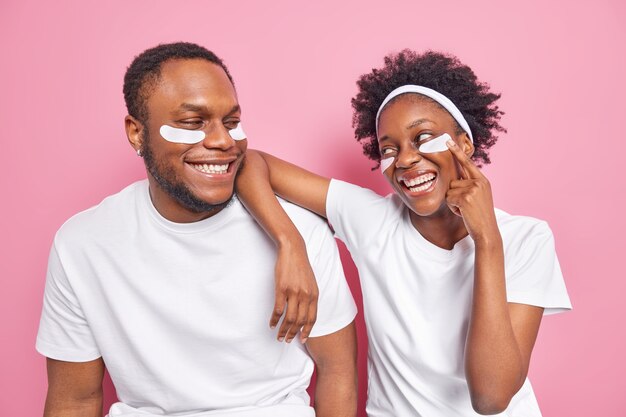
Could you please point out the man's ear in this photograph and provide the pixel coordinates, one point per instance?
(134, 129)
(467, 145)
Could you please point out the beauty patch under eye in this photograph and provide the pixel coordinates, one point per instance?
(435, 145)
(237, 133)
(176, 135)
(386, 163)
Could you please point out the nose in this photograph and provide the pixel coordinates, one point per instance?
(218, 138)
(408, 156)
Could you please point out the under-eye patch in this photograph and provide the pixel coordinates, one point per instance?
(176, 135)
(435, 145)
(386, 163)
(237, 133)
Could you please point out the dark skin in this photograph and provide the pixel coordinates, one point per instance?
(459, 202)
(402, 128)
(74, 388)
(335, 360)
(197, 94)
(194, 95)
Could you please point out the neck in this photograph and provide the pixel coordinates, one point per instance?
(442, 228)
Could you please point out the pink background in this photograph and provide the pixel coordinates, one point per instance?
(560, 66)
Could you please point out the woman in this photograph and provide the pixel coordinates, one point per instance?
(453, 289)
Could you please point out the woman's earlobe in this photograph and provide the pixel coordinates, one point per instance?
(468, 145)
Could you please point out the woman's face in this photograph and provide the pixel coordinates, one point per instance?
(421, 180)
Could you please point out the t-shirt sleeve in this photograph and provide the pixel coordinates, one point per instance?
(357, 215)
(64, 333)
(336, 307)
(534, 276)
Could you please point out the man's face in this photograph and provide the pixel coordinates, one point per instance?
(192, 94)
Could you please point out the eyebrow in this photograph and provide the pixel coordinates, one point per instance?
(196, 108)
(417, 123)
(191, 107)
(234, 109)
(410, 126)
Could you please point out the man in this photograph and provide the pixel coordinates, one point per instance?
(168, 282)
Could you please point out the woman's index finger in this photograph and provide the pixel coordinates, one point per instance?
(467, 165)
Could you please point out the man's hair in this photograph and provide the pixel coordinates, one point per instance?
(145, 70)
(441, 72)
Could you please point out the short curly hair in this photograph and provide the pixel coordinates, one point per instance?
(438, 71)
(145, 70)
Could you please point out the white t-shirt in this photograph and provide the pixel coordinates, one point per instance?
(417, 300)
(180, 312)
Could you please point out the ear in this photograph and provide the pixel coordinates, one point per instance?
(134, 129)
(467, 145)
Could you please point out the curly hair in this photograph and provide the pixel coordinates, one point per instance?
(145, 70)
(441, 72)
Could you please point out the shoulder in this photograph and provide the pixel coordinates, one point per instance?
(515, 227)
(342, 190)
(347, 198)
(101, 217)
(307, 222)
(523, 234)
(359, 215)
(313, 228)
(533, 273)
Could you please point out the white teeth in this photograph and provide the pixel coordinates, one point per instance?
(420, 188)
(211, 169)
(419, 180)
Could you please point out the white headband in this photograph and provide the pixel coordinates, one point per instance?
(435, 95)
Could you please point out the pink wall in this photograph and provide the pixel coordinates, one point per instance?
(560, 66)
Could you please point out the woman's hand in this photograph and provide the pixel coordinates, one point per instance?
(296, 292)
(470, 197)
(501, 335)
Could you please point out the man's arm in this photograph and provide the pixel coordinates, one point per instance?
(335, 357)
(74, 388)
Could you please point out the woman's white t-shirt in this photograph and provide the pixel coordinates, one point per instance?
(417, 300)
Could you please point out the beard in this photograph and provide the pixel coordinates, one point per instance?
(166, 179)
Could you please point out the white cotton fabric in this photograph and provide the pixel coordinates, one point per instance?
(417, 301)
(180, 312)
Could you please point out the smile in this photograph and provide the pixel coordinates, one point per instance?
(420, 183)
(211, 168)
